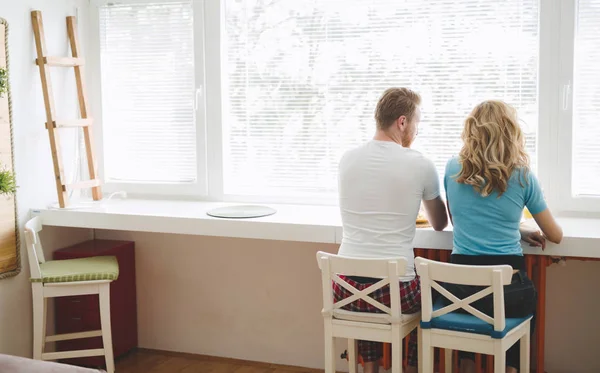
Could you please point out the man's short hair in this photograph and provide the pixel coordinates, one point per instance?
(394, 103)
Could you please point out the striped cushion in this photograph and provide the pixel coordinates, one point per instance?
(84, 269)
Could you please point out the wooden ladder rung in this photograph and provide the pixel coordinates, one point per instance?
(83, 122)
(83, 184)
(62, 61)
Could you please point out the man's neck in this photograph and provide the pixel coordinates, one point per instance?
(381, 135)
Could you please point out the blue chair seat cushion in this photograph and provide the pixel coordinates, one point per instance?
(465, 322)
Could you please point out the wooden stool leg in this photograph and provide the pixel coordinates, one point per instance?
(396, 350)
(352, 366)
(420, 356)
(448, 357)
(329, 349)
(427, 355)
(44, 324)
(525, 362)
(106, 327)
(38, 320)
(499, 359)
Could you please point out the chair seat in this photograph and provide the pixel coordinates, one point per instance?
(374, 318)
(78, 270)
(465, 322)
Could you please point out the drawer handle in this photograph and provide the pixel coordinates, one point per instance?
(76, 301)
(76, 318)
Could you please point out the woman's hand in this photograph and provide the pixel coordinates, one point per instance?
(533, 237)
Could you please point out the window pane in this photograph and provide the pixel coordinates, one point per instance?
(303, 78)
(148, 92)
(586, 100)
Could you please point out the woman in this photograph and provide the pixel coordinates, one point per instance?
(487, 188)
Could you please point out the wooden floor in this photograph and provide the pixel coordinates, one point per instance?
(147, 361)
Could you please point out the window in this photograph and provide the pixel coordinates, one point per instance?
(148, 92)
(586, 101)
(302, 78)
(257, 100)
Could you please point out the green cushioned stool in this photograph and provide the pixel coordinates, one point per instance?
(64, 278)
(84, 269)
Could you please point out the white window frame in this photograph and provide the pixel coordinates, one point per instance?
(554, 131)
(567, 201)
(196, 189)
(548, 83)
(555, 127)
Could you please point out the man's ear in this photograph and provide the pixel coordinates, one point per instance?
(401, 121)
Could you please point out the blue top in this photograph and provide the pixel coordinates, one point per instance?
(490, 225)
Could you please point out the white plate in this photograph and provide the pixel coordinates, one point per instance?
(241, 212)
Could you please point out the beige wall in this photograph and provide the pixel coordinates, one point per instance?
(32, 153)
(261, 300)
(248, 299)
(572, 323)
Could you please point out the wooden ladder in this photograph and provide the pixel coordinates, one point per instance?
(52, 124)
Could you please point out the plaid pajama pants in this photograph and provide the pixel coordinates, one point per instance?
(410, 299)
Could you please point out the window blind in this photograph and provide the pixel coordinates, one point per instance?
(302, 79)
(586, 101)
(147, 61)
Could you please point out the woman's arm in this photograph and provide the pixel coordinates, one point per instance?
(532, 236)
(550, 228)
(536, 204)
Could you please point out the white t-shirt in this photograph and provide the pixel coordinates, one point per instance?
(381, 185)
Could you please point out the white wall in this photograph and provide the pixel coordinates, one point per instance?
(32, 152)
(261, 300)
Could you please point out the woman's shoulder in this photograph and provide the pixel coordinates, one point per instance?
(522, 175)
(452, 166)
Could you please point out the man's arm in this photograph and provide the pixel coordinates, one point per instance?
(433, 203)
(436, 213)
(448, 207)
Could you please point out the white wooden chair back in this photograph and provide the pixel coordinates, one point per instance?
(35, 252)
(388, 270)
(493, 277)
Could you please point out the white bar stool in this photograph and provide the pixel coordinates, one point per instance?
(62, 278)
(390, 326)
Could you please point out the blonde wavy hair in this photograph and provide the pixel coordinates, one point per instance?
(494, 147)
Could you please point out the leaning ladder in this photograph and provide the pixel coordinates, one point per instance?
(52, 124)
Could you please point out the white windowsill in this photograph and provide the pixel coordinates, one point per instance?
(302, 223)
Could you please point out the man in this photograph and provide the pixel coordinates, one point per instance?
(381, 186)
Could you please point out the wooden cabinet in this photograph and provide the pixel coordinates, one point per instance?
(82, 313)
